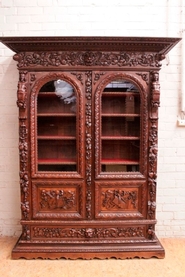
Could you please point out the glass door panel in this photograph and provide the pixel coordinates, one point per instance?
(56, 127)
(120, 127)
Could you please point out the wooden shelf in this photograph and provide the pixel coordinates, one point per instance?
(119, 138)
(125, 162)
(120, 115)
(55, 161)
(50, 137)
(120, 93)
(56, 114)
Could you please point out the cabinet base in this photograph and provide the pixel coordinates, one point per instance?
(52, 251)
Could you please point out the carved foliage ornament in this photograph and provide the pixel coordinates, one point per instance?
(41, 232)
(88, 58)
(88, 123)
(57, 199)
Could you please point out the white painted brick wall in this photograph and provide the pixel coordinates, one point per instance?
(96, 18)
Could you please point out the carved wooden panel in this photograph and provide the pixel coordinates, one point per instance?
(58, 199)
(120, 199)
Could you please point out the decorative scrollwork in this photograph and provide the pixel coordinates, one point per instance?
(97, 76)
(45, 232)
(79, 76)
(144, 76)
(88, 58)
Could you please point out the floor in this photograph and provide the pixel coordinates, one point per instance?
(173, 265)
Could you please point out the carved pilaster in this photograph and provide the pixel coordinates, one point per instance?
(88, 133)
(155, 93)
(153, 143)
(23, 142)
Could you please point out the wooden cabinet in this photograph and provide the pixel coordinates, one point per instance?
(88, 127)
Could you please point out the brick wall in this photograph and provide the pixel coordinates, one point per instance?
(98, 18)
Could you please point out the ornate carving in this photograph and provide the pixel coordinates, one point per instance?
(57, 199)
(153, 150)
(97, 76)
(151, 232)
(25, 207)
(21, 91)
(144, 76)
(24, 179)
(90, 233)
(25, 232)
(79, 76)
(155, 97)
(119, 199)
(88, 123)
(88, 58)
(151, 209)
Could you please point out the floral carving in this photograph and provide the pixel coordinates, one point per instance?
(26, 232)
(151, 232)
(88, 144)
(79, 76)
(144, 76)
(45, 232)
(119, 199)
(97, 76)
(153, 148)
(24, 179)
(88, 58)
(57, 199)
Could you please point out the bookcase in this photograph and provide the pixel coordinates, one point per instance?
(88, 133)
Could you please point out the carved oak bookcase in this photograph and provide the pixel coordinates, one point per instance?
(88, 128)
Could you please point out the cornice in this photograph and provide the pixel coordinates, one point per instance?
(160, 45)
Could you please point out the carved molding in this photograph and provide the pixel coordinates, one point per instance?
(88, 233)
(87, 58)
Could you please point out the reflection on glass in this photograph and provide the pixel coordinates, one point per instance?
(56, 127)
(120, 127)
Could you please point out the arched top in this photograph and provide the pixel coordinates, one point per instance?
(54, 77)
(121, 76)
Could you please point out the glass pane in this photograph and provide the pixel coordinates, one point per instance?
(56, 127)
(120, 127)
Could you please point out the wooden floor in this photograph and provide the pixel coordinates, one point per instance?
(173, 265)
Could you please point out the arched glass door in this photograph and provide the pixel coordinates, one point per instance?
(120, 127)
(56, 127)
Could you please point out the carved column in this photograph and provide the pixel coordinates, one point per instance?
(153, 147)
(88, 143)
